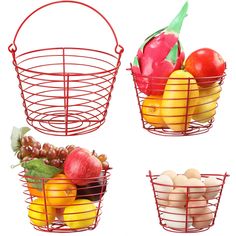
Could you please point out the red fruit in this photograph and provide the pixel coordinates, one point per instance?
(204, 63)
(81, 166)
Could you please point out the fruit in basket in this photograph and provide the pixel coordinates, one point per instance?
(205, 65)
(94, 190)
(213, 187)
(39, 214)
(34, 191)
(180, 98)
(82, 166)
(151, 111)
(180, 180)
(60, 191)
(176, 218)
(206, 108)
(81, 214)
(204, 220)
(159, 56)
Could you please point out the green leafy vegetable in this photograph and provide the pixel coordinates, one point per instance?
(16, 136)
(37, 169)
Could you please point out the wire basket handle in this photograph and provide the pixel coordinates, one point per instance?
(13, 48)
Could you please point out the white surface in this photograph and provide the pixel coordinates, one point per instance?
(129, 205)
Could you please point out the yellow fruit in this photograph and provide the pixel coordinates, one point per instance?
(180, 98)
(81, 214)
(151, 111)
(211, 93)
(39, 214)
(206, 108)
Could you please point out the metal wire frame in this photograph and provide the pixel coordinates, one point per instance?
(212, 204)
(95, 190)
(66, 90)
(181, 112)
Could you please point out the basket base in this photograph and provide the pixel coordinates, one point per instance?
(190, 230)
(194, 129)
(62, 228)
(58, 125)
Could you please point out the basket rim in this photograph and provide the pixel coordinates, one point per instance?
(114, 68)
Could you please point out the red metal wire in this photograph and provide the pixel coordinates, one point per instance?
(151, 121)
(94, 191)
(212, 204)
(67, 90)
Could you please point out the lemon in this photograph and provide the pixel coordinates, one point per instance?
(39, 214)
(81, 214)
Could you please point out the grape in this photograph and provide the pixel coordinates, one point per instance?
(27, 158)
(25, 141)
(70, 148)
(47, 146)
(36, 145)
(35, 152)
(51, 153)
(42, 153)
(62, 153)
(25, 151)
(55, 162)
(102, 157)
(19, 155)
(46, 161)
(31, 141)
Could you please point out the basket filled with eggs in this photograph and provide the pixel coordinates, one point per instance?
(177, 95)
(187, 203)
(64, 187)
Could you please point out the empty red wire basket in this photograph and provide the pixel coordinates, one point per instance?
(66, 90)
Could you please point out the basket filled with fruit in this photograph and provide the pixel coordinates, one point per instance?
(64, 187)
(187, 203)
(66, 90)
(176, 97)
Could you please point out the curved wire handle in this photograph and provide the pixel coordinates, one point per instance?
(118, 48)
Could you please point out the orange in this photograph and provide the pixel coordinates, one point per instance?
(34, 192)
(60, 191)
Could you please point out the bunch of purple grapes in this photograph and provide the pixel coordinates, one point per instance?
(31, 149)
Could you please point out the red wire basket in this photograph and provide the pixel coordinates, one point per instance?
(181, 210)
(61, 206)
(66, 90)
(181, 107)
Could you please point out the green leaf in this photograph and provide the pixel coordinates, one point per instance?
(36, 170)
(16, 136)
(136, 62)
(173, 54)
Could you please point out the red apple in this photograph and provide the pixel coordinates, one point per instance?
(81, 166)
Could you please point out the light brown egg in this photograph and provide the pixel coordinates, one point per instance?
(192, 173)
(177, 198)
(197, 206)
(172, 174)
(204, 220)
(198, 188)
(180, 180)
(212, 192)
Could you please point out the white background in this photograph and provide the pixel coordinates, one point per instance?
(129, 205)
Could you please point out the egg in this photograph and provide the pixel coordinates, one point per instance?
(204, 220)
(172, 174)
(176, 218)
(192, 173)
(212, 192)
(177, 198)
(198, 188)
(197, 206)
(180, 180)
(162, 192)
